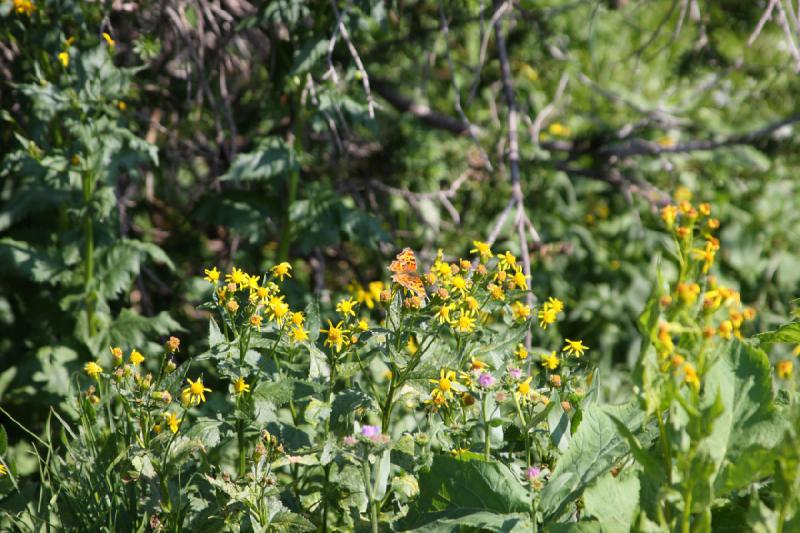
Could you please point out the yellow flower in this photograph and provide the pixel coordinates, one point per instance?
(63, 57)
(172, 420)
(93, 369)
(238, 277)
(547, 316)
(298, 334)
(483, 249)
(520, 311)
(555, 304)
(109, 40)
(519, 279)
(523, 390)
(465, 323)
(496, 291)
(278, 309)
(557, 129)
(282, 270)
(784, 368)
(690, 375)
(507, 261)
(706, 255)
(443, 314)
(444, 385)
(668, 215)
(688, 292)
(476, 364)
(375, 288)
(346, 307)
(472, 303)
(232, 305)
(363, 325)
(337, 335)
(194, 394)
(136, 358)
(3, 470)
(298, 318)
(411, 346)
(252, 282)
(24, 7)
(550, 361)
(725, 329)
(521, 352)
(574, 347)
(116, 353)
(240, 386)
(460, 284)
(255, 320)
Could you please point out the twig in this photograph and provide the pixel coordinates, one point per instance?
(356, 58)
(484, 44)
(536, 126)
(456, 89)
(513, 157)
(762, 21)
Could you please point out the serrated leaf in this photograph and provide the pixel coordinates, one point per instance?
(273, 158)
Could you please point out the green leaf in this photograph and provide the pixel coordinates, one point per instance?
(789, 333)
(21, 259)
(3, 440)
(308, 55)
(559, 424)
(594, 448)
(348, 404)
(271, 159)
(454, 488)
(460, 520)
(277, 393)
(613, 501)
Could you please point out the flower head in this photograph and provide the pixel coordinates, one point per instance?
(238, 277)
(111, 42)
(514, 373)
(547, 315)
(211, 276)
(346, 307)
(63, 57)
(93, 369)
(194, 394)
(523, 390)
(240, 386)
(172, 420)
(136, 358)
(485, 380)
(520, 311)
(550, 361)
(483, 249)
(282, 270)
(370, 431)
(337, 336)
(298, 334)
(574, 347)
(521, 352)
(784, 368)
(465, 323)
(444, 385)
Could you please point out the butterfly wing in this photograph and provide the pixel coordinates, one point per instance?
(405, 262)
(410, 281)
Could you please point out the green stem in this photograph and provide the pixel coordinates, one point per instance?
(687, 512)
(373, 508)
(88, 233)
(486, 435)
(242, 447)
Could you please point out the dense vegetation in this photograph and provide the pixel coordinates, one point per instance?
(434, 266)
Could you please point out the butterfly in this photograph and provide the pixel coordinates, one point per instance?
(405, 274)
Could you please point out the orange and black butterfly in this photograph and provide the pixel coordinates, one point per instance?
(404, 269)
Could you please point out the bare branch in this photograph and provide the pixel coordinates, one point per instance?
(354, 53)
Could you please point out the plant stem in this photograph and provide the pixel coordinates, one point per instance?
(373, 508)
(486, 436)
(88, 233)
(687, 512)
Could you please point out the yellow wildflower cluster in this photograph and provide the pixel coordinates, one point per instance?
(253, 299)
(698, 305)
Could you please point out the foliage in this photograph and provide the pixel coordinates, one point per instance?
(311, 141)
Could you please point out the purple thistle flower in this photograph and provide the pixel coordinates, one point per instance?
(370, 431)
(486, 380)
(515, 373)
(533, 472)
(349, 440)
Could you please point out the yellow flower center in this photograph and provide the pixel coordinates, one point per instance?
(524, 388)
(444, 384)
(196, 388)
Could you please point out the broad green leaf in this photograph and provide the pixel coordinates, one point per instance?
(613, 501)
(453, 488)
(460, 520)
(594, 448)
(271, 159)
